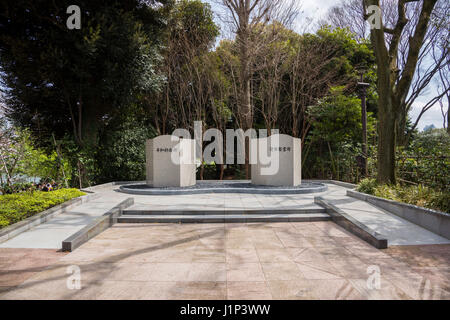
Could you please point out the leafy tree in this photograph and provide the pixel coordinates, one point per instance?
(58, 78)
(426, 160)
(121, 154)
(338, 117)
(336, 134)
(318, 62)
(393, 83)
(20, 159)
(190, 35)
(70, 82)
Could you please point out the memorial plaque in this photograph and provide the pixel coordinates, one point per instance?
(170, 162)
(276, 160)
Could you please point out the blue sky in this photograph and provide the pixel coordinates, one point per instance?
(317, 9)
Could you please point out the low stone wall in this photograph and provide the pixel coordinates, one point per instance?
(210, 186)
(44, 216)
(350, 224)
(336, 182)
(344, 184)
(99, 187)
(96, 227)
(435, 221)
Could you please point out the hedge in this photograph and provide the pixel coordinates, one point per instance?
(19, 206)
(418, 195)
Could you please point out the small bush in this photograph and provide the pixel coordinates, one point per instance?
(388, 192)
(19, 206)
(427, 160)
(367, 186)
(418, 195)
(441, 201)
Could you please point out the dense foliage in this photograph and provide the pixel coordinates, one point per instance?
(427, 160)
(71, 83)
(418, 195)
(19, 206)
(423, 170)
(21, 159)
(122, 151)
(333, 146)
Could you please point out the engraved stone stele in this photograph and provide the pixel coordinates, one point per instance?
(170, 161)
(149, 161)
(276, 161)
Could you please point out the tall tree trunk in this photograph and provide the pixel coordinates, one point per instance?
(386, 137)
(401, 135)
(245, 107)
(448, 114)
(393, 85)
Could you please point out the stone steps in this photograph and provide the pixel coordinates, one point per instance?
(218, 218)
(144, 212)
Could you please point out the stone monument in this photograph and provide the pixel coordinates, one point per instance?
(276, 160)
(170, 162)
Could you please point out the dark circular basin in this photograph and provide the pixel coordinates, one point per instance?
(214, 186)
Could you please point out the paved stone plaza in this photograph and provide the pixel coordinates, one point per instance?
(310, 260)
(50, 235)
(286, 260)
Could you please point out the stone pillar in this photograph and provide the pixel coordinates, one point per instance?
(170, 162)
(276, 160)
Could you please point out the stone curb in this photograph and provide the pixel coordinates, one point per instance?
(350, 224)
(108, 184)
(336, 182)
(96, 227)
(432, 220)
(44, 216)
(252, 190)
(137, 212)
(220, 218)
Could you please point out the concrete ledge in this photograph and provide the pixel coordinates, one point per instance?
(350, 224)
(207, 186)
(344, 184)
(137, 212)
(336, 182)
(108, 184)
(44, 216)
(122, 183)
(220, 218)
(432, 220)
(96, 227)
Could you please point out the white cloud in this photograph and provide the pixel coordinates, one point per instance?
(432, 116)
(317, 8)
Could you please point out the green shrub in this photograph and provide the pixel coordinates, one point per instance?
(388, 192)
(120, 155)
(440, 201)
(3, 222)
(210, 171)
(19, 206)
(418, 195)
(427, 160)
(367, 186)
